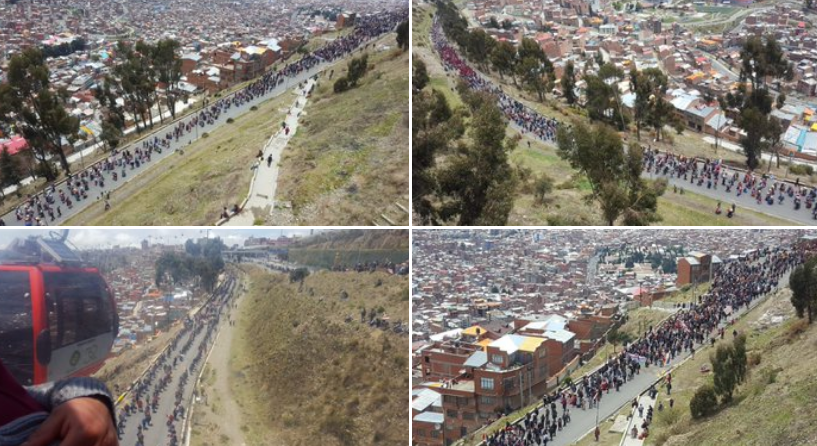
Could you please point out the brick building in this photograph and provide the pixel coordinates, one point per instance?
(482, 373)
(697, 268)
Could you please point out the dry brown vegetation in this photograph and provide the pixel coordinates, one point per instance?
(306, 374)
(349, 159)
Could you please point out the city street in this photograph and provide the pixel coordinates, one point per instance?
(745, 201)
(784, 211)
(584, 422)
(95, 192)
(205, 326)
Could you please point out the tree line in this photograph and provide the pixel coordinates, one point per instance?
(596, 151)
(38, 110)
(476, 184)
(763, 62)
(64, 49)
(200, 263)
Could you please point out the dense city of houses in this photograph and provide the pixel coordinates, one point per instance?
(224, 42)
(701, 66)
(502, 316)
(144, 309)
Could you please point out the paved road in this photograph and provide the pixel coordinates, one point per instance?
(219, 362)
(94, 192)
(784, 211)
(592, 269)
(158, 432)
(584, 422)
(265, 183)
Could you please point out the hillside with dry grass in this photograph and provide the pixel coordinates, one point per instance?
(308, 371)
(776, 403)
(351, 247)
(356, 239)
(348, 163)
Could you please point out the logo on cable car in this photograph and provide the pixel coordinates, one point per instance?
(75, 358)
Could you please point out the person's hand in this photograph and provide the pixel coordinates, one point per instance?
(78, 422)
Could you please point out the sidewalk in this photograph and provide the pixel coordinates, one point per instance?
(265, 178)
(636, 420)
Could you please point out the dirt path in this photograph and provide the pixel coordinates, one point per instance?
(219, 421)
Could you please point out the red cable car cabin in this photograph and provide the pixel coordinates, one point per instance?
(56, 320)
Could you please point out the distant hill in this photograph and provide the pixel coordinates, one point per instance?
(309, 372)
(350, 247)
(356, 239)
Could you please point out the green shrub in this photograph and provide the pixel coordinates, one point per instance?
(771, 375)
(801, 169)
(341, 85)
(230, 120)
(565, 220)
(668, 417)
(704, 402)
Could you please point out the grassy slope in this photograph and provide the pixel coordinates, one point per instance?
(328, 258)
(304, 376)
(567, 196)
(775, 405)
(191, 189)
(356, 239)
(351, 246)
(690, 295)
(349, 158)
(568, 200)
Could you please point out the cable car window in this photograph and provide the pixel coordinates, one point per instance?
(78, 307)
(16, 329)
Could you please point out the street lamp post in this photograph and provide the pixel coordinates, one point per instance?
(530, 383)
(598, 405)
(521, 389)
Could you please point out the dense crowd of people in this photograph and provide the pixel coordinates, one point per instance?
(737, 284)
(527, 119)
(375, 265)
(710, 174)
(170, 371)
(714, 174)
(47, 207)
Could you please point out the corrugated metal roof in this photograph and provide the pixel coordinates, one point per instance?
(429, 417)
(425, 399)
(560, 335)
(478, 359)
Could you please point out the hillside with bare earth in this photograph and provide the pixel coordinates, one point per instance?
(308, 369)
